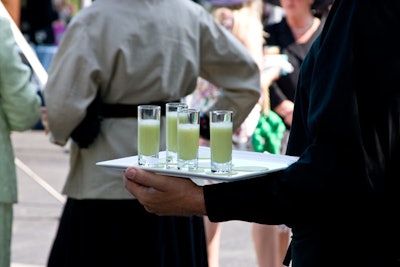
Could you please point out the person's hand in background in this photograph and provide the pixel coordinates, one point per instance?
(285, 110)
(43, 118)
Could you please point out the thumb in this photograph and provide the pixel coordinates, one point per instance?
(139, 176)
(130, 173)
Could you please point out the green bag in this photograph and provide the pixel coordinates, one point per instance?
(268, 133)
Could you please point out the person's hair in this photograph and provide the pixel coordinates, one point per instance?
(245, 22)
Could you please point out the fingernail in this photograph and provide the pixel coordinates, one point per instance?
(130, 174)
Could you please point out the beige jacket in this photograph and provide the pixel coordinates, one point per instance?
(136, 52)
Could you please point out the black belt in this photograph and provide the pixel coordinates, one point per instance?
(127, 110)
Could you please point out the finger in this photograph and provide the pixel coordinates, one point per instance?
(139, 183)
(133, 187)
(147, 178)
(44, 120)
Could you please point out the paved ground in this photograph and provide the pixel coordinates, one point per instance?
(41, 169)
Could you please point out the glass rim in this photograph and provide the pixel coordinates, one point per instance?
(149, 106)
(221, 111)
(176, 104)
(189, 110)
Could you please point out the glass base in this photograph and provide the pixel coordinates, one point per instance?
(172, 157)
(148, 161)
(188, 165)
(221, 167)
(171, 160)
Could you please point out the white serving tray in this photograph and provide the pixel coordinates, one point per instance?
(246, 165)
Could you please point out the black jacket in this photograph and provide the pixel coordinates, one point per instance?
(341, 198)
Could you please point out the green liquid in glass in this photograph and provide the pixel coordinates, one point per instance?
(171, 134)
(188, 141)
(221, 141)
(148, 137)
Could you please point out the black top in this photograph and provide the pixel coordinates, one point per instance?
(341, 198)
(281, 35)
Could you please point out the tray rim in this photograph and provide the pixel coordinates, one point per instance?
(239, 156)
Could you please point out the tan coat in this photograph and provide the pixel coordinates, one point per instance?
(114, 48)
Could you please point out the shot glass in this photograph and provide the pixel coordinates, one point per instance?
(188, 139)
(171, 131)
(221, 141)
(148, 135)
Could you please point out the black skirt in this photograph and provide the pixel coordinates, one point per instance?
(121, 233)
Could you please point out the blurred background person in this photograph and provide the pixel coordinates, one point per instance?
(65, 11)
(294, 35)
(19, 111)
(113, 57)
(37, 17)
